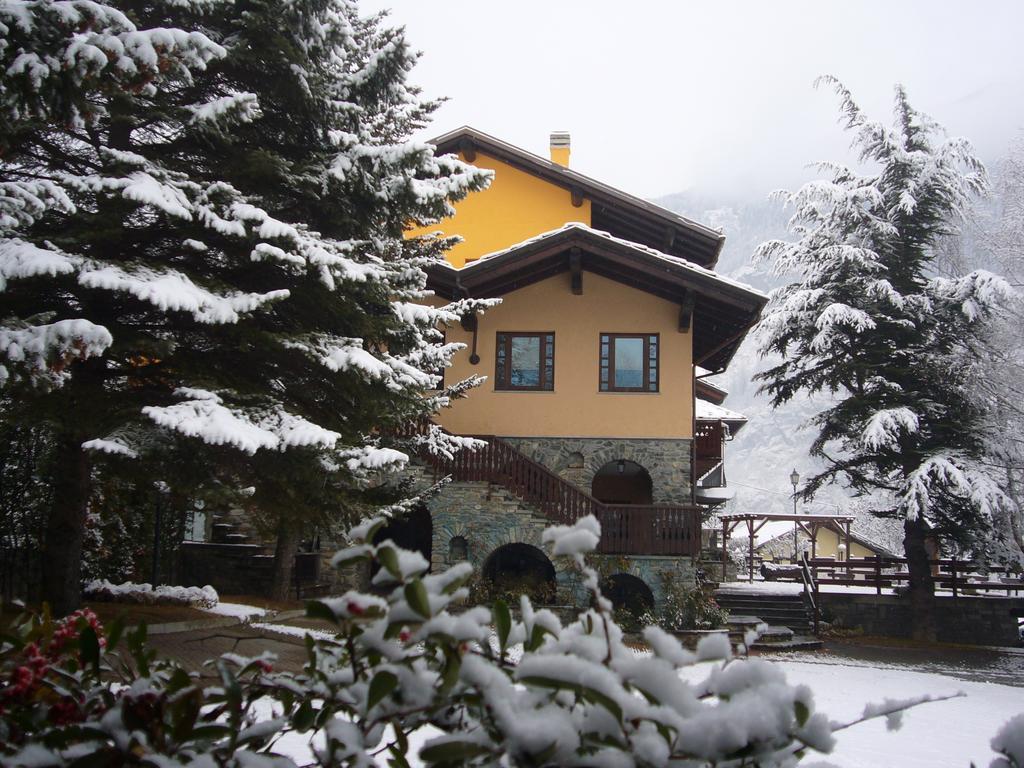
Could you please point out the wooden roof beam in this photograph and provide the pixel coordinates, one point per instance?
(576, 270)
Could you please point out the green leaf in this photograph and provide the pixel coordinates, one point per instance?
(212, 732)
(89, 647)
(416, 594)
(114, 632)
(315, 609)
(389, 559)
(383, 683)
(502, 623)
(802, 713)
(450, 673)
(536, 638)
(304, 717)
(452, 752)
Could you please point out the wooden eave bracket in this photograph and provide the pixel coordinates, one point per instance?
(686, 305)
(576, 270)
(577, 197)
(468, 150)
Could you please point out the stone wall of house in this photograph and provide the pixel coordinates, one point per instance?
(968, 620)
(486, 516)
(578, 459)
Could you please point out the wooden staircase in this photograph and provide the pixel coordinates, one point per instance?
(626, 529)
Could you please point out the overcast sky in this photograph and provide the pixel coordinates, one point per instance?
(714, 95)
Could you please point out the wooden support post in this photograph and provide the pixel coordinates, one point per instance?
(878, 574)
(750, 559)
(952, 574)
(725, 551)
(847, 563)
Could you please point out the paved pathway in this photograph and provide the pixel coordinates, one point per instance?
(196, 646)
(977, 664)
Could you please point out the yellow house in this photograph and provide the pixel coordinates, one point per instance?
(610, 312)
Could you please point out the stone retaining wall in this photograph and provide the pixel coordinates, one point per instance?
(968, 620)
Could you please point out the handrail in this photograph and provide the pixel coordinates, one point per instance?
(659, 529)
(810, 587)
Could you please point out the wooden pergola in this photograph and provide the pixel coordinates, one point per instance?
(809, 524)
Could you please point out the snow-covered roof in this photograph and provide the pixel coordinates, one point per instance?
(710, 412)
(720, 310)
(577, 226)
(692, 238)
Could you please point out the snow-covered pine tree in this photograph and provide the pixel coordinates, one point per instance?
(869, 322)
(202, 238)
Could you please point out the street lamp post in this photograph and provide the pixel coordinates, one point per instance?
(794, 478)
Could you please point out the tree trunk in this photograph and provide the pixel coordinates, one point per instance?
(284, 559)
(65, 527)
(922, 588)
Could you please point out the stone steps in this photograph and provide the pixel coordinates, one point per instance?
(778, 611)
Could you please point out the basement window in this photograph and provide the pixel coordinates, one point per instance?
(525, 361)
(629, 362)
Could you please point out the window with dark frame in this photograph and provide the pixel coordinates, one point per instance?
(629, 362)
(525, 361)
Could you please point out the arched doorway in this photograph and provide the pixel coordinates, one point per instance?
(521, 569)
(629, 593)
(415, 531)
(622, 482)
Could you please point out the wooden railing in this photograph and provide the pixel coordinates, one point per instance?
(810, 589)
(649, 529)
(885, 572)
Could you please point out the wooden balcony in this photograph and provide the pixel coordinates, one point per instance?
(657, 529)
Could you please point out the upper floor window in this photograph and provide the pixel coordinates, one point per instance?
(629, 362)
(525, 361)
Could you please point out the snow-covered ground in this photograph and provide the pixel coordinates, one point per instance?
(946, 733)
(951, 733)
(237, 610)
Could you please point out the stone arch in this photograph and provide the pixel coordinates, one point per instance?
(613, 451)
(520, 568)
(628, 592)
(623, 482)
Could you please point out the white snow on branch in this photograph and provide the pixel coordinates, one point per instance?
(115, 447)
(953, 476)
(146, 189)
(369, 458)
(339, 353)
(173, 290)
(204, 415)
(237, 107)
(19, 260)
(46, 350)
(977, 293)
(885, 428)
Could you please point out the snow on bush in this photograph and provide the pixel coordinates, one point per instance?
(474, 688)
(129, 592)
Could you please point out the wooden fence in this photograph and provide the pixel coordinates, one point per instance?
(879, 573)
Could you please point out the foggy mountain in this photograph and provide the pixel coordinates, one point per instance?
(774, 442)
